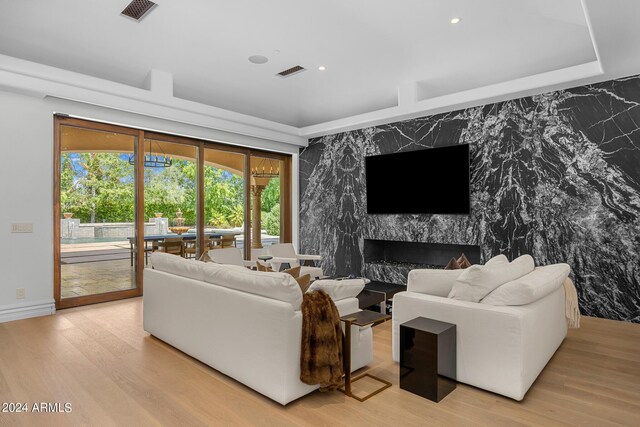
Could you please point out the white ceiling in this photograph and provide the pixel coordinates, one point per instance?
(369, 47)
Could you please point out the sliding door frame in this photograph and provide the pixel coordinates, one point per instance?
(59, 122)
(141, 136)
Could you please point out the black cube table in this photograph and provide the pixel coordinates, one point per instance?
(428, 358)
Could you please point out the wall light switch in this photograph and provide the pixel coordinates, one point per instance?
(22, 227)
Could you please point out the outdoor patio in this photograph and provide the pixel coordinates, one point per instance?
(93, 268)
(101, 267)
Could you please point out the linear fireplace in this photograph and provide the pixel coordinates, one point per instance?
(391, 260)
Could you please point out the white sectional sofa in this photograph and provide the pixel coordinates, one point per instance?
(501, 348)
(243, 323)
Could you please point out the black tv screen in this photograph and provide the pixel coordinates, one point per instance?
(431, 181)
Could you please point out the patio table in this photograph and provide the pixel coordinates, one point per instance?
(160, 238)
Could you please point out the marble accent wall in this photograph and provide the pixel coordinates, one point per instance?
(556, 176)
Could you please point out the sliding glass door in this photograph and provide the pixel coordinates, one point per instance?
(224, 199)
(170, 197)
(122, 194)
(96, 214)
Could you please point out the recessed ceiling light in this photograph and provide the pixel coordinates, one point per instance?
(322, 68)
(258, 59)
(455, 20)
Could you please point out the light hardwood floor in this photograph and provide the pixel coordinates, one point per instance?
(100, 360)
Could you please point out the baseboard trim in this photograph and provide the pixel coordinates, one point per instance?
(12, 312)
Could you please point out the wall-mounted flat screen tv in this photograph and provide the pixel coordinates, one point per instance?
(431, 181)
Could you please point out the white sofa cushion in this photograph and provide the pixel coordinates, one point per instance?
(278, 286)
(478, 281)
(498, 259)
(529, 288)
(338, 289)
(177, 265)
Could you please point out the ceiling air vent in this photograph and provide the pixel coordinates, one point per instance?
(137, 9)
(291, 71)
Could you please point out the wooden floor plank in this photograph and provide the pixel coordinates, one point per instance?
(100, 359)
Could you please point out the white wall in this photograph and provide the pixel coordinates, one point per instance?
(26, 260)
(26, 189)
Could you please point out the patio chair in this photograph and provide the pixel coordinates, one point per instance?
(232, 256)
(228, 240)
(284, 253)
(224, 241)
(189, 248)
(171, 245)
(214, 243)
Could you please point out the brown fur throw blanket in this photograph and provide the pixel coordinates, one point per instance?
(321, 351)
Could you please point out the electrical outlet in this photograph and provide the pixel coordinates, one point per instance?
(20, 293)
(22, 227)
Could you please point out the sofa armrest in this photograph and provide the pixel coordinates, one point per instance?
(347, 306)
(432, 282)
(361, 336)
(338, 289)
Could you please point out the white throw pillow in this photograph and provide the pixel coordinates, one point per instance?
(477, 281)
(529, 288)
(177, 265)
(338, 289)
(278, 286)
(498, 259)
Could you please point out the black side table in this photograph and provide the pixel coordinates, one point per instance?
(428, 358)
(387, 290)
(361, 318)
(368, 298)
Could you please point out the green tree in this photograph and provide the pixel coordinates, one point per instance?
(170, 189)
(235, 215)
(100, 188)
(271, 220)
(271, 195)
(223, 198)
(68, 197)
